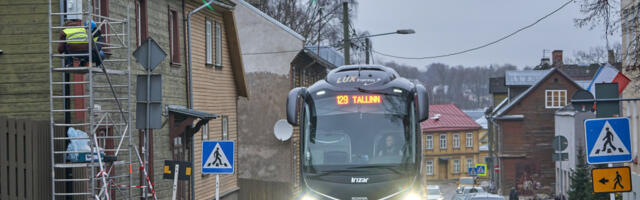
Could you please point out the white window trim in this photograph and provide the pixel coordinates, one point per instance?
(469, 139)
(429, 142)
(429, 167)
(218, 41)
(456, 141)
(546, 98)
(456, 166)
(208, 43)
(469, 164)
(205, 132)
(443, 145)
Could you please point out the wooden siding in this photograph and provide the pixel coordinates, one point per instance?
(24, 72)
(462, 153)
(214, 91)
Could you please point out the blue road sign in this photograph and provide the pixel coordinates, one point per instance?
(481, 169)
(607, 140)
(472, 172)
(217, 157)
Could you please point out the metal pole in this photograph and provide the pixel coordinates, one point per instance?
(175, 181)
(345, 26)
(51, 135)
(145, 150)
(612, 196)
(217, 186)
(368, 49)
(129, 129)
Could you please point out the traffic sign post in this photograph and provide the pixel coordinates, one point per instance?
(616, 179)
(472, 172)
(608, 140)
(217, 158)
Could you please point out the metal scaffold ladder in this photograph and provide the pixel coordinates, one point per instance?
(91, 99)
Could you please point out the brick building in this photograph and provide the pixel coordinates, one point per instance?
(450, 141)
(524, 129)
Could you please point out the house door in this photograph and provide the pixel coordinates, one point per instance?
(443, 169)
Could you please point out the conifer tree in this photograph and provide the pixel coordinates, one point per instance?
(581, 186)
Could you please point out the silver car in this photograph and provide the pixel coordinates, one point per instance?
(484, 196)
(463, 192)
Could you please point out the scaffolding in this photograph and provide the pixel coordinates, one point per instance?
(94, 99)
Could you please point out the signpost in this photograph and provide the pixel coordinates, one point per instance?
(217, 158)
(472, 172)
(176, 170)
(616, 179)
(608, 140)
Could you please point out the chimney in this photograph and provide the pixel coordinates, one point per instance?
(556, 55)
(612, 57)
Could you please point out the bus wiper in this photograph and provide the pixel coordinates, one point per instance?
(324, 173)
(390, 168)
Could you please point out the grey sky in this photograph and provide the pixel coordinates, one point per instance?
(445, 26)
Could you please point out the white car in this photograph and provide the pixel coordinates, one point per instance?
(433, 193)
(464, 192)
(484, 196)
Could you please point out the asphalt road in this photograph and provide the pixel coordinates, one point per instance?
(448, 188)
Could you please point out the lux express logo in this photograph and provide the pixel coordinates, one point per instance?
(353, 79)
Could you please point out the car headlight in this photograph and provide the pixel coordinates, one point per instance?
(308, 197)
(412, 196)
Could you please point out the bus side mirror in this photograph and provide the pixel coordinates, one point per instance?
(292, 105)
(423, 102)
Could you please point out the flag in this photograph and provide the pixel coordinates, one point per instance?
(608, 74)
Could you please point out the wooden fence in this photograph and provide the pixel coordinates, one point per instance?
(251, 189)
(25, 159)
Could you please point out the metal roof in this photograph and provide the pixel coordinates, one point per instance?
(496, 85)
(191, 112)
(327, 54)
(524, 77)
(447, 117)
(271, 19)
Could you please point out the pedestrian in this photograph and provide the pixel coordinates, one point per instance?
(75, 42)
(513, 195)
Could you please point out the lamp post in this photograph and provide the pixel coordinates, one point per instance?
(368, 42)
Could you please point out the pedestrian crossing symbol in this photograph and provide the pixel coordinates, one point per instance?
(607, 140)
(217, 157)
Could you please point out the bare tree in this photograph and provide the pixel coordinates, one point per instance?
(597, 54)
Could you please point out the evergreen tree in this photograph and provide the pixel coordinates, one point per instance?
(581, 186)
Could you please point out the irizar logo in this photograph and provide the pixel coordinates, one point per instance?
(359, 180)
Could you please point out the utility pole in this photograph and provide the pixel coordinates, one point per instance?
(345, 26)
(368, 49)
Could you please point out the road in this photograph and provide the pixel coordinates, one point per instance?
(448, 188)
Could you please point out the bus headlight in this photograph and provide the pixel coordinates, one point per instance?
(412, 196)
(308, 197)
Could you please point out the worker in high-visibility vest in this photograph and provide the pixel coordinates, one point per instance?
(76, 41)
(98, 54)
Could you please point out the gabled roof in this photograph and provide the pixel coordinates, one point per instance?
(514, 101)
(235, 52)
(524, 77)
(447, 117)
(270, 19)
(326, 54)
(497, 86)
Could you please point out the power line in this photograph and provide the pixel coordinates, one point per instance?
(478, 47)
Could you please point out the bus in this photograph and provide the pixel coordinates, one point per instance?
(360, 135)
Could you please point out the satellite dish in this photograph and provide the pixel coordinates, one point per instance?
(283, 130)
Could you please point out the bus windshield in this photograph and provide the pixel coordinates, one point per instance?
(362, 132)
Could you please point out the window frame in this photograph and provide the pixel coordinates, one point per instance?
(218, 44)
(555, 98)
(205, 132)
(443, 141)
(141, 21)
(174, 36)
(428, 144)
(456, 166)
(225, 127)
(429, 167)
(456, 141)
(469, 140)
(208, 41)
(469, 164)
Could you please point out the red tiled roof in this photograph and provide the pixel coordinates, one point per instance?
(451, 119)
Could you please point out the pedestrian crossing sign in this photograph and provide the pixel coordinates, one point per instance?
(481, 169)
(217, 157)
(607, 140)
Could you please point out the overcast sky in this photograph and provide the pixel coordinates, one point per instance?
(445, 26)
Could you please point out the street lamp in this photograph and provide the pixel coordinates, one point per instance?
(368, 42)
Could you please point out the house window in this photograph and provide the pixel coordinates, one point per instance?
(174, 41)
(456, 141)
(555, 98)
(469, 162)
(208, 42)
(429, 167)
(141, 21)
(225, 127)
(205, 132)
(443, 141)
(429, 143)
(456, 166)
(218, 45)
(469, 139)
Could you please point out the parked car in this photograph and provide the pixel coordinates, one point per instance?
(466, 181)
(484, 196)
(434, 193)
(463, 192)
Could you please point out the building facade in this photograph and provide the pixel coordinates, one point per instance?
(569, 123)
(524, 130)
(450, 141)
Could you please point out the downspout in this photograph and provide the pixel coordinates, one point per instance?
(191, 13)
